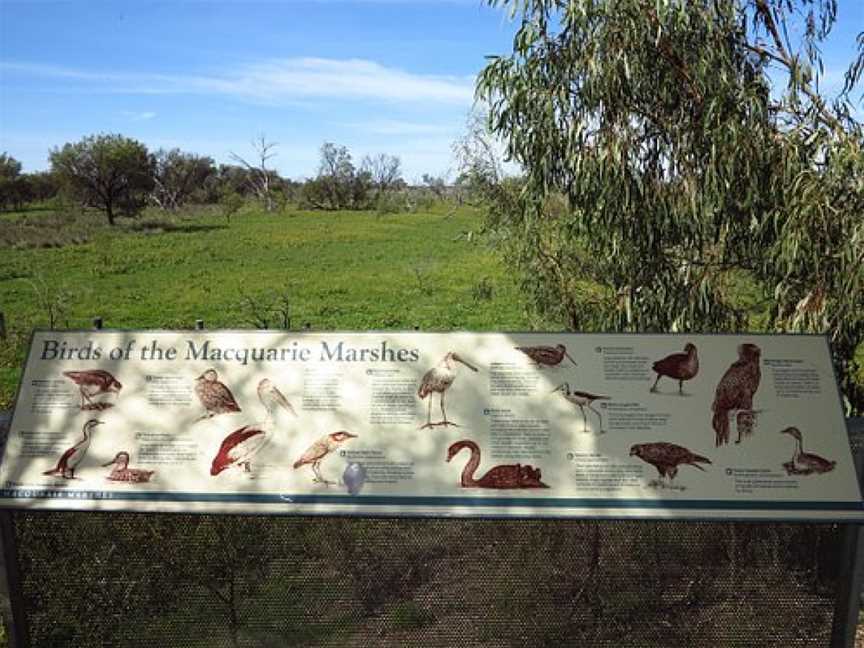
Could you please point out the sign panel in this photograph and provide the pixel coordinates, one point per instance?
(476, 424)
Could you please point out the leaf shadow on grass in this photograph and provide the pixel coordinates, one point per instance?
(176, 228)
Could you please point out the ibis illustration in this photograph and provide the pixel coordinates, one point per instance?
(93, 383)
(437, 381)
(72, 458)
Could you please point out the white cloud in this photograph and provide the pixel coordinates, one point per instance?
(138, 116)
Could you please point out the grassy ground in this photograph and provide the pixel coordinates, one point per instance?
(337, 270)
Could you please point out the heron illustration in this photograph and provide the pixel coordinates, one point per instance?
(438, 380)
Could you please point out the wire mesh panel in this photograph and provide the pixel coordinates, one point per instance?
(98, 579)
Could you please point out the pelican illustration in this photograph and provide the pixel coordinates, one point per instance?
(242, 445)
(73, 457)
(214, 395)
(581, 400)
(438, 380)
(320, 450)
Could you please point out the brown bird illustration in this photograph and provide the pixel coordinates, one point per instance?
(735, 391)
(581, 400)
(504, 476)
(547, 356)
(320, 450)
(92, 383)
(678, 366)
(805, 463)
(122, 472)
(666, 457)
(438, 380)
(214, 396)
(72, 458)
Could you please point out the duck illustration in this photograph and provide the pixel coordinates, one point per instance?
(242, 445)
(73, 457)
(122, 472)
(320, 450)
(438, 380)
(214, 395)
(547, 356)
(503, 476)
(805, 463)
(581, 400)
(678, 366)
(92, 383)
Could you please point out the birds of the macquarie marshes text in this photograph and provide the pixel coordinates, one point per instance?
(581, 400)
(735, 391)
(92, 383)
(72, 458)
(805, 463)
(547, 356)
(241, 446)
(214, 396)
(666, 457)
(122, 472)
(504, 476)
(438, 380)
(678, 366)
(320, 450)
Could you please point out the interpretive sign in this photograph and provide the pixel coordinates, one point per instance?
(474, 424)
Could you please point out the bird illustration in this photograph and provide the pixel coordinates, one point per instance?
(214, 395)
(547, 356)
(503, 476)
(666, 457)
(122, 472)
(73, 457)
(241, 446)
(92, 383)
(581, 400)
(735, 391)
(678, 366)
(320, 450)
(354, 477)
(805, 463)
(438, 380)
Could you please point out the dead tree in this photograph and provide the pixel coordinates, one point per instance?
(260, 177)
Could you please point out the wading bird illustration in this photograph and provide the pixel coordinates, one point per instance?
(504, 476)
(122, 472)
(581, 400)
(805, 463)
(92, 383)
(678, 366)
(72, 458)
(547, 356)
(666, 457)
(214, 395)
(735, 392)
(438, 380)
(241, 446)
(320, 450)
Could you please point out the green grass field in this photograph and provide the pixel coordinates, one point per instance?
(337, 270)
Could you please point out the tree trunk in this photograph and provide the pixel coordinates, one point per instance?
(109, 211)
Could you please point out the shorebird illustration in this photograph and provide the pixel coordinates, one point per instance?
(73, 457)
(438, 380)
(320, 450)
(122, 472)
(581, 400)
(678, 366)
(547, 356)
(805, 463)
(242, 445)
(92, 383)
(214, 395)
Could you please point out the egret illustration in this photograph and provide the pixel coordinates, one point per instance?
(320, 450)
(214, 395)
(581, 400)
(122, 472)
(666, 457)
(244, 444)
(72, 458)
(805, 463)
(547, 356)
(438, 380)
(502, 476)
(92, 383)
(678, 366)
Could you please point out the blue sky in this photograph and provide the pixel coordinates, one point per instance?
(391, 76)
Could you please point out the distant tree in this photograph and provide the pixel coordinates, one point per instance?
(111, 172)
(338, 185)
(177, 176)
(261, 179)
(436, 184)
(385, 172)
(44, 185)
(10, 170)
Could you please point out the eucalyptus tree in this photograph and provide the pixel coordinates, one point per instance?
(177, 176)
(684, 167)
